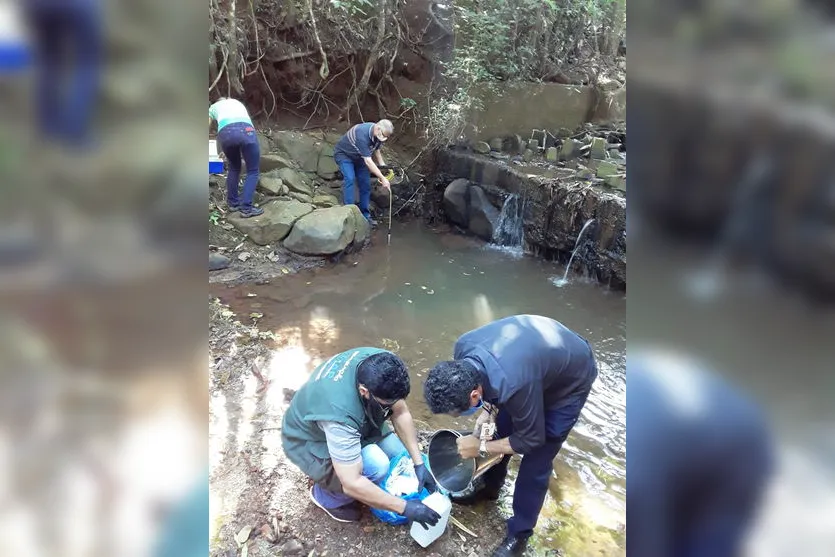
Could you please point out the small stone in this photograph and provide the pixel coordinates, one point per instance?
(606, 169)
(598, 148)
(584, 174)
(618, 181)
(273, 257)
(292, 547)
(244, 256)
(482, 147)
(270, 183)
(551, 154)
(218, 261)
(496, 144)
(568, 149)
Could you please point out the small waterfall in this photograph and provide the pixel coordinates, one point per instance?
(509, 230)
(564, 280)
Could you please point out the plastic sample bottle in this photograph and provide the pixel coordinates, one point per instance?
(441, 505)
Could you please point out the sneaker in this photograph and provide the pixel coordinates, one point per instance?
(511, 547)
(346, 513)
(248, 212)
(233, 207)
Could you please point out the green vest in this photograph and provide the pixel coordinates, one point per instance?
(329, 395)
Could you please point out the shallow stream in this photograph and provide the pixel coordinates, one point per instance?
(415, 298)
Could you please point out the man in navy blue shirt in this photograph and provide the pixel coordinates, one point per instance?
(353, 154)
(533, 376)
(700, 459)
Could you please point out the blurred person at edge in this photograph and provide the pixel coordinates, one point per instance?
(68, 41)
(238, 140)
(700, 459)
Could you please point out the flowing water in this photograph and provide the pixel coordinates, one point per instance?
(415, 298)
(510, 231)
(564, 280)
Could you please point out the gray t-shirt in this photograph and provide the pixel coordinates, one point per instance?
(344, 442)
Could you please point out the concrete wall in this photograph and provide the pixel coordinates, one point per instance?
(555, 212)
(520, 108)
(691, 165)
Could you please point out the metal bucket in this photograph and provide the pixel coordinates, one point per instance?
(453, 473)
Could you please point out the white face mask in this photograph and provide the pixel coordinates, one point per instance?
(382, 138)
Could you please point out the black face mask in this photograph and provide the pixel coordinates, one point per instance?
(375, 411)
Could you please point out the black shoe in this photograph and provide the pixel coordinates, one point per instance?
(233, 208)
(347, 513)
(511, 546)
(483, 494)
(247, 212)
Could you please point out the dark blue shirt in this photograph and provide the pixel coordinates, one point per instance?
(529, 364)
(699, 459)
(357, 143)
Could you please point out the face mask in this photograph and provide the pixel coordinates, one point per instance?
(375, 411)
(472, 409)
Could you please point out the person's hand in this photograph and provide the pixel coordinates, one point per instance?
(425, 478)
(418, 512)
(385, 183)
(468, 447)
(483, 418)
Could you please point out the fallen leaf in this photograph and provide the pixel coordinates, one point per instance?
(273, 257)
(243, 256)
(251, 295)
(243, 535)
(285, 270)
(256, 315)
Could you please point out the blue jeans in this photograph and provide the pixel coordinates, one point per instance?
(237, 141)
(375, 466)
(536, 467)
(356, 173)
(69, 43)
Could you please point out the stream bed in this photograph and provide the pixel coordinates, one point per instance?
(415, 297)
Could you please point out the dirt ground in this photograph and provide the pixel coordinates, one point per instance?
(253, 486)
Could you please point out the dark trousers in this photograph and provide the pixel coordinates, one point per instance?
(536, 467)
(239, 141)
(356, 173)
(68, 44)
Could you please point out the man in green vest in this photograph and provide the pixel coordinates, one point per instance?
(335, 432)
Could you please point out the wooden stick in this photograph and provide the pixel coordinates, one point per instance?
(457, 523)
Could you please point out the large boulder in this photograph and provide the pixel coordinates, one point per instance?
(326, 231)
(274, 224)
(301, 147)
(380, 195)
(304, 198)
(483, 216)
(271, 162)
(294, 180)
(271, 183)
(456, 199)
(326, 200)
(362, 228)
(327, 167)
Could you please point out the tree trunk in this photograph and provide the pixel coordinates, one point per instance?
(613, 28)
(233, 71)
(362, 87)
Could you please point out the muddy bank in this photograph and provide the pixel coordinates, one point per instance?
(254, 486)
